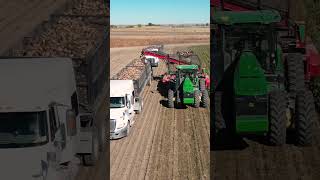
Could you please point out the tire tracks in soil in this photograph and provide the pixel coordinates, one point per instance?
(259, 161)
(164, 143)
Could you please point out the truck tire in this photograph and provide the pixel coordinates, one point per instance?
(170, 98)
(304, 118)
(277, 118)
(202, 84)
(90, 159)
(205, 99)
(295, 73)
(197, 98)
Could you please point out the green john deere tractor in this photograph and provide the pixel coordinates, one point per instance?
(258, 89)
(187, 87)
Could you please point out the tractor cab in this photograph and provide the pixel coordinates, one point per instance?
(187, 71)
(251, 32)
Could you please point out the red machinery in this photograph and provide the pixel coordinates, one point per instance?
(164, 57)
(170, 60)
(292, 39)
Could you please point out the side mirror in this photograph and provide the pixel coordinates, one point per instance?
(71, 123)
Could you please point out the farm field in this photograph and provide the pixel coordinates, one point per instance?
(163, 143)
(203, 51)
(143, 36)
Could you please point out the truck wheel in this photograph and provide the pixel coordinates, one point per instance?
(90, 159)
(202, 84)
(205, 99)
(295, 73)
(170, 98)
(197, 98)
(305, 116)
(277, 118)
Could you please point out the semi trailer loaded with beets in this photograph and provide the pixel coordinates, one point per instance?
(58, 86)
(125, 97)
(258, 89)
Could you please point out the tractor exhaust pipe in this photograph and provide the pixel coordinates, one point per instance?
(259, 5)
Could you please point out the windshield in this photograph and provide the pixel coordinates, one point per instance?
(21, 129)
(116, 102)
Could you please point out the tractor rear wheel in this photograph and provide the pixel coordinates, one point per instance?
(305, 116)
(170, 98)
(202, 84)
(277, 118)
(197, 98)
(205, 99)
(295, 73)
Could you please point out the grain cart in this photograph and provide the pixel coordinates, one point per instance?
(256, 89)
(187, 87)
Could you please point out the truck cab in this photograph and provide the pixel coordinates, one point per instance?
(124, 103)
(154, 61)
(39, 114)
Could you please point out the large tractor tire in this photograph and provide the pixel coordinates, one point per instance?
(304, 117)
(170, 98)
(197, 98)
(277, 118)
(202, 84)
(205, 99)
(295, 73)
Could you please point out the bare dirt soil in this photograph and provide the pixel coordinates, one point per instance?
(259, 161)
(143, 36)
(163, 143)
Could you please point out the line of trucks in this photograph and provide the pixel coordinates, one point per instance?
(53, 108)
(186, 84)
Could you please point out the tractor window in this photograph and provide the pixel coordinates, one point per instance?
(248, 37)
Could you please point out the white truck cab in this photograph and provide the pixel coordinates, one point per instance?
(39, 118)
(154, 61)
(123, 105)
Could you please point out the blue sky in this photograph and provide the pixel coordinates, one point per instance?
(159, 11)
